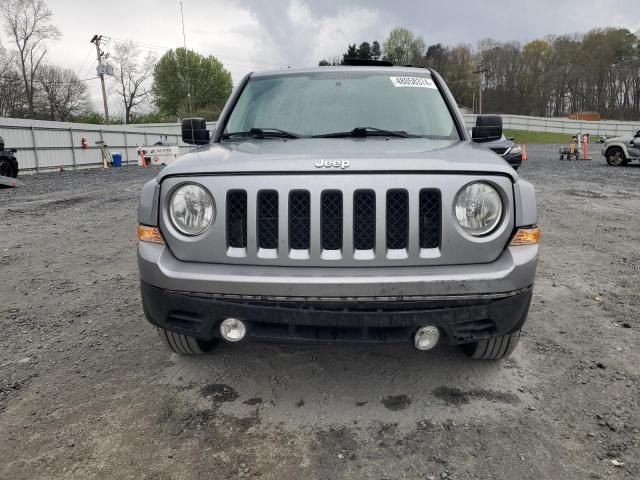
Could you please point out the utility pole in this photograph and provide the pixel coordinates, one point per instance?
(480, 72)
(101, 70)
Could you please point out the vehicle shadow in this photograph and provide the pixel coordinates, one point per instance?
(327, 383)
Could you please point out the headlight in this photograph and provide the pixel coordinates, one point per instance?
(515, 150)
(191, 209)
(478, 208)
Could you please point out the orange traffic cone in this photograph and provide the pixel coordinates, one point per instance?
(524, 152)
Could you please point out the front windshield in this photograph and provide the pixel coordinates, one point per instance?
(321, 103)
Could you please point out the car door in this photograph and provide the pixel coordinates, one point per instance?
(634, 146)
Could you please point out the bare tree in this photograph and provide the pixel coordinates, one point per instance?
(132, 73)
(11, 97)
(28, 23)
(63, 94)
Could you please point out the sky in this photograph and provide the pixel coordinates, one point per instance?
(248, 35)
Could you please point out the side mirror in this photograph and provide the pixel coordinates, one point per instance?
(488, 128)
(1, 144)
(194, 131)
(511, 139)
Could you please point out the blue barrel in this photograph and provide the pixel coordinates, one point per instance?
(116, 158)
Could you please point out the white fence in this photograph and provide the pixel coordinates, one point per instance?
(45, 145)
(49, 145)
(563, 125)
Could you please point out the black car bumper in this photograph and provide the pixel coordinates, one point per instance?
(461, 319)
(514, 160)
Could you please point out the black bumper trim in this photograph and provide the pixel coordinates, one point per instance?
(462, 320)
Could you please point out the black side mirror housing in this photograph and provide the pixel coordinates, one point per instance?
(194, 131)
(488, 128)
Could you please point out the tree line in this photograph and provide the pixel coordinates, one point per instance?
(553, 76)
(148, 89)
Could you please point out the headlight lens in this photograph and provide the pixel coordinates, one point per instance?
(516, 150)
(478, 208)
(192, 209)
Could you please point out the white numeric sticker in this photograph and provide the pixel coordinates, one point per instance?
(415, 82)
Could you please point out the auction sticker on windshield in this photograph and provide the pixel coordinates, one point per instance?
(415, 82)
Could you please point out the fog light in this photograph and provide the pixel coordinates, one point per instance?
(232, 329)
(427, 337)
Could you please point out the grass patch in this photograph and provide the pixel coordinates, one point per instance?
(524, 136)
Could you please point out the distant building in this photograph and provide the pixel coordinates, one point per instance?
(585, 116)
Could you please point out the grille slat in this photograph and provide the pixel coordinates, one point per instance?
(430, 218)
(397, 219)
(364, 220)
(267, 212)
(237, 219)
(331, 220)
(299, 220)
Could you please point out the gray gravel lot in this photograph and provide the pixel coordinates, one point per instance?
(87, 390)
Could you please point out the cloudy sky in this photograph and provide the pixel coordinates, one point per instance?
(251, 35)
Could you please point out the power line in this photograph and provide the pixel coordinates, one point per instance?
(84, 61)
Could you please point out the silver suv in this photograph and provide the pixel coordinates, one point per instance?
(339, 204)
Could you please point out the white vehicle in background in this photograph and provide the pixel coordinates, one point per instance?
(619, 151)
(160, 153)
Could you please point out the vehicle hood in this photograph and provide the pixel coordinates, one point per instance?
(618, 139)
(372, 154)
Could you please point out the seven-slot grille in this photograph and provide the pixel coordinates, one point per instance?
(331, 213)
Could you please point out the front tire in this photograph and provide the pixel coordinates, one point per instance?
(495, 348)
(184, 344)
(6, 169)
(616, 158)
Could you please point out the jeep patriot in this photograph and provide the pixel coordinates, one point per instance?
(339, 204)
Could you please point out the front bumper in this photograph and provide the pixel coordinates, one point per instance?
(461, 319)
(514, 160)
(369, 304)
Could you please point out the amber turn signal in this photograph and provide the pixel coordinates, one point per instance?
(149, 234)
(527, 236)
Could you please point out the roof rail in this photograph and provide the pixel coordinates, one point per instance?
(360, 62)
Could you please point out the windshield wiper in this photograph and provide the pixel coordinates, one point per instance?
(262, 133)
(367, 132)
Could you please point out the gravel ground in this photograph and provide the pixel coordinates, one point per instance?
(88, 391)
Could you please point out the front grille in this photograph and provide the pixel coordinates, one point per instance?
(364, 220)
(237, 218)
(299, 220)
(326, 214)
(267, 219)
(430, 221)
(397, 219)
(331, 220)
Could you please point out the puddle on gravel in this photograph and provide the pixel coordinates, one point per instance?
(455, 396)
(396, 402)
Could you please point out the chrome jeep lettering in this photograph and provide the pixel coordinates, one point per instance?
(342, 164)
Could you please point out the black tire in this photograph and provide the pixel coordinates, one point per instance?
(6, 168)
(184, 344)
(495, 348)
(616, 158)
